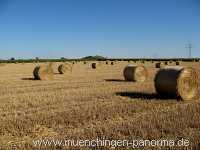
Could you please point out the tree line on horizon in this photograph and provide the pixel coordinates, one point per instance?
(94, 58)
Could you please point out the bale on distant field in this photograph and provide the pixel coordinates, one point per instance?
(135, 73)
(106, 62)
(166, 63)
(43, 72)
(94, 65)
(65, 68)
(112, 63)
(158, 65)
(84, 62)
(177, 63)
(177, 82)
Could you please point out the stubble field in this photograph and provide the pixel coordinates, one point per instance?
(90, 104)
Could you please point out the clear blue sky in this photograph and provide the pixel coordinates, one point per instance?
(113, 28)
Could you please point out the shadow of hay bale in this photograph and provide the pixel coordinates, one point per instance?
(146, 96)
(115, 80)
(28, 79)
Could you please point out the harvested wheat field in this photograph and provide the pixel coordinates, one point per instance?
(91, 104)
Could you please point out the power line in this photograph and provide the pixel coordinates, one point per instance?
(189, 46)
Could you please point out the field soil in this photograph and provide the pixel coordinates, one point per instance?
(89, 104)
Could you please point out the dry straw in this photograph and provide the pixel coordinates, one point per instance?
(176, 81)
(135, 73)
(2, 64)
(43, 72)
(65, 68)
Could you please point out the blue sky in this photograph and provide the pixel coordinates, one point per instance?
(113, 28)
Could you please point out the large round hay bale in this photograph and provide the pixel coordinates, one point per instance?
(94, 65)
(112, 63)
(65, 68)
(43, 72)
(135, 73)
(177, 82)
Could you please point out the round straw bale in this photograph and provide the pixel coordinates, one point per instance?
(135, 73)
(166, 63)
(177, 82)
(65, 68)
(43, 72)
(106, 62)
(177, 63)
(112, 63)
(158, 65)
(94, 65)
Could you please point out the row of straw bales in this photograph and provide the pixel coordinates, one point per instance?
(95, 65)
(171, 81)
(157, 64)
(45, 72)
(163, 64)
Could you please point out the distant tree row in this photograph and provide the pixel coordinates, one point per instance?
(95, 58)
